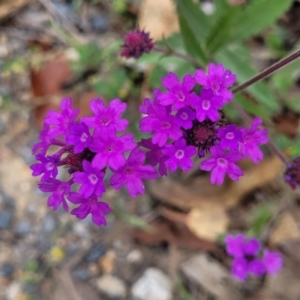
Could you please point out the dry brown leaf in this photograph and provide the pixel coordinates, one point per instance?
(285, 229)
(159, 18)
(208, 222)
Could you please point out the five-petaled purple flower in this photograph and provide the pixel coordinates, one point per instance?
(47, 166)
(91, 206)
(179, 155)
(247, 259)
(132, 173)
(218, 80)
(79, 136)
(184, 117)
(222, 163)
(91, 180)
(230, 136)
(179, 94)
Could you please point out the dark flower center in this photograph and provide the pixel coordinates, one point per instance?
(179, 154)
(230, 135)
(93, 179)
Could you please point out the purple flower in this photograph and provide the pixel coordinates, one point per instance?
(89, 206)
(207, 106)
(58, 189)
(132, 173)
(136, 42)
(235, 245)
(47, 166)
(179, 94)
(222, 163)
(218, 79)
(179, 155)
(252, 138)
(185, 117)
(155, 156)
(110, 150)
(256, 267)
(60, 122)
(239, 268)
(230, 137)
(292, 173)
(272, 261)
(149, 107)
(162, 124)
(79, 136)
(91, 180)
(107, 119)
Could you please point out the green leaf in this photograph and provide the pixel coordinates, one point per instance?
(193, 46)
(197, 20)
(257, 16)
(236, 59)
(220, 33)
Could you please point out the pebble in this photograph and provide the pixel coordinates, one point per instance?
(81, 274)
(5, 219)
(99, 24)
(23, 228)
(154, 285)
(95, 253)
(48, 224)
(7, 270)
(112, 287)
(135, 256)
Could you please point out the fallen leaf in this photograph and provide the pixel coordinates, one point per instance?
(159, 18)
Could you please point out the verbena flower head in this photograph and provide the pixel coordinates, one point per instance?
(292, 173)
(222, 163)
(136, 43)
(218, 79)
(247, 258)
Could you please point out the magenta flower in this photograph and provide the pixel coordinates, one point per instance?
(89, 206)
(58, 190)
(155, 156)
(107, 119)
(252, 138)
(60, 122)
(222, 163)
(45, 141)
(110, 150)
(218, 79)
(185, 117)
(91, 180)
(179, 155)
(162, 125)
(179, 94)
(272, 261)
(79, 136)
(208, 106)
(136, 43)
(230, 137)
(47, 166)
(132, 173)
(247, 260)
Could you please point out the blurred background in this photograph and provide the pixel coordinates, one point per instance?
(166, 244)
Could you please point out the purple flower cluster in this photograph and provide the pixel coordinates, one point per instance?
(184, 123)
(292, 173)
(250, 258)
(87, 148)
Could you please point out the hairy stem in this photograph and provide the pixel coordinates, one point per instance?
(267, 72)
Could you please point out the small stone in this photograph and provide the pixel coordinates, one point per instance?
(48, 224)
(135, 256)
(7, 270)
(5, 219)
(23, 228)
(81, 274)
(112, 287)
(13, 291)
(95, 253)
(154, 285)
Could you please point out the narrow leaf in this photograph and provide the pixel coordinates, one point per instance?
(193, 46)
